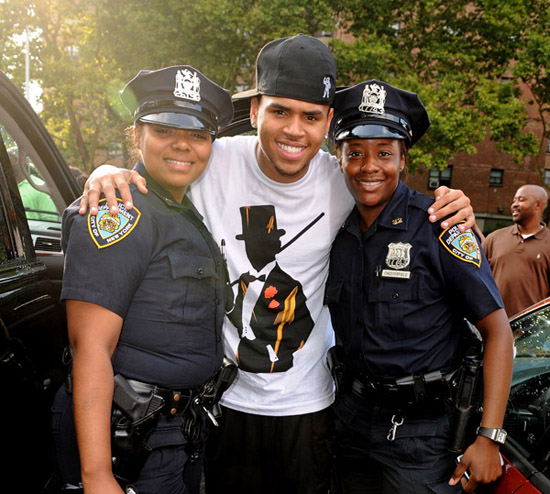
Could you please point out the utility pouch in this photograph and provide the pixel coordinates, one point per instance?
(468, 398)
(133, 418)
(337, 367)
(213, 389)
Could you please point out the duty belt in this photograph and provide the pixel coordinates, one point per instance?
(175, 402)
(416, 389)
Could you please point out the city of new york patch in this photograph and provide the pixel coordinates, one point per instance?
(462, 245)
(108, 229)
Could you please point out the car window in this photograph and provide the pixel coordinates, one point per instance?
(16, 241)
(32, 186)
(528, 413)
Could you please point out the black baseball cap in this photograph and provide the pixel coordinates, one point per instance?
(377, 110)
(180, 97)
(299, 67)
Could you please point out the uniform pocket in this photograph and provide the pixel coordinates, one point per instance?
(195, 279)
(420, 444)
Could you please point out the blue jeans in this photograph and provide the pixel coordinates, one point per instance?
(415, 462)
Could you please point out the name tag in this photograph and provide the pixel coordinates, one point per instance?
(390, 273)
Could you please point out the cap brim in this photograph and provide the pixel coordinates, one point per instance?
(250, 93)
(370, 132)
(179, 121)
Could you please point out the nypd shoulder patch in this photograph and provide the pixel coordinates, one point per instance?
(107, 229)
(463, 245)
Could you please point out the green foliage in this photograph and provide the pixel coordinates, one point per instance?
(452, 53)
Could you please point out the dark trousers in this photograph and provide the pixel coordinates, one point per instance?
(166, 471)
(415, 462)
(253, 454)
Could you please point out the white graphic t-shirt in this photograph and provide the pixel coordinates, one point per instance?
(276, 238)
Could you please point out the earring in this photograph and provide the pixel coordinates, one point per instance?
(326, 136)
(253, 124)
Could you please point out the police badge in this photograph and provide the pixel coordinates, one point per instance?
(398, 258)
(188, 85)
(374, 99)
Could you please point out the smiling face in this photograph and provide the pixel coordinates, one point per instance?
(173, 157)
(290, 134)
(371, 168)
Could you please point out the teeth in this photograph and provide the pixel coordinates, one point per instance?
(290, 149)
(175, 162)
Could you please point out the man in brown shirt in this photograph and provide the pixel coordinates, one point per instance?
(519, 255)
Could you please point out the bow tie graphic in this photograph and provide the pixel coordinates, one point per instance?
(249, 278)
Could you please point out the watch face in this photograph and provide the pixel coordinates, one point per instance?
(500, 436)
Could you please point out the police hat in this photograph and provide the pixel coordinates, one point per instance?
(377, 110)
(299, 67)
(180, 97)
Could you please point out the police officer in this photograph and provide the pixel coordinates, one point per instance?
(399, 289)
(145, 294)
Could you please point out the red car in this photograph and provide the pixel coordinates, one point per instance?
(527, 420)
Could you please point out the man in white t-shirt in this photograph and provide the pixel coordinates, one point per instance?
(273, 432)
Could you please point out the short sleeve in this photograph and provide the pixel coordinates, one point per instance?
(468, 274)
(106, 257)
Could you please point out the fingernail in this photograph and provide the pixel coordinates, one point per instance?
(432, 218)
(128, 205)
(445, 224)
(431, 210)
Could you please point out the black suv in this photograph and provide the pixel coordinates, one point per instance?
(35, 186)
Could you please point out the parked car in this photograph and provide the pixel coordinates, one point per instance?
(527, 420)
(32, 322)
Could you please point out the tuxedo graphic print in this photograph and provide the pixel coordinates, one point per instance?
(270, 308)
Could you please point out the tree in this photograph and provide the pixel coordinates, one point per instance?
(84, 52)
(453, 54)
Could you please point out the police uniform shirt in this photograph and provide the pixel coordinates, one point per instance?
(398, 293)
(158, 268)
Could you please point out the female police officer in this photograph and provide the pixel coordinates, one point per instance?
(145, 292)
(399, 289)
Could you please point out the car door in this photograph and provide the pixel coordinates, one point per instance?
(32, 322)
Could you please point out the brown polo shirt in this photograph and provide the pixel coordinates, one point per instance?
(521, 267)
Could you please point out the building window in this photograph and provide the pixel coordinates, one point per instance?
(439, 177)
(547, 177)
(496, 177)
(547, 146)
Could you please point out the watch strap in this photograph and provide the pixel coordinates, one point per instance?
(496, 435)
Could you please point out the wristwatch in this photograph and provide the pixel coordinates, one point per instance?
(496, 435)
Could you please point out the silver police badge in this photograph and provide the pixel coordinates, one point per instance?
(188, 85)
(398, 258)
(374, 99)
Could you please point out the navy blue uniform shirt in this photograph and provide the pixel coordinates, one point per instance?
(399, 292)
(158, 268)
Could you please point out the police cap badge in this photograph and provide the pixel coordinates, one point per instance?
(377, 110)
(180, 97)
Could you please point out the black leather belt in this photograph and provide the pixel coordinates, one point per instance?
(175, 402)
(415, 389)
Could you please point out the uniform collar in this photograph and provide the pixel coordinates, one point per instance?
(162, 193)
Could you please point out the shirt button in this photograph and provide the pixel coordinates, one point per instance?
(200, 271)
(395, 295)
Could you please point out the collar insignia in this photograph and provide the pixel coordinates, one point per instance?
(396, 221)
(374, 99)
(107, 229)
(187, 85)
(462, 245)
(399, 256)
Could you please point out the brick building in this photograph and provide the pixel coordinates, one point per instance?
(488, 177)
